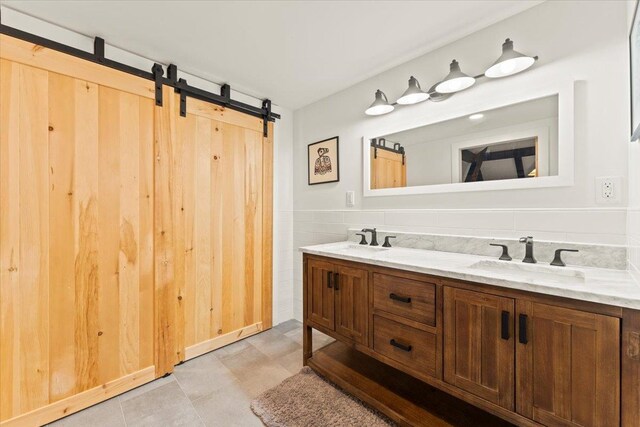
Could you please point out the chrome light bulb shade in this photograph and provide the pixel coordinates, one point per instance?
(455, 81)
(413, 94)
(380, 105)
(510, 62)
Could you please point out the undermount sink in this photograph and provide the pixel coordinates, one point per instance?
(362, 249)
(562, 274)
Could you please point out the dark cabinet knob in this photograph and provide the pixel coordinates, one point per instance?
(522, 329)
(404, 347)
(505, 326)
(406, 300)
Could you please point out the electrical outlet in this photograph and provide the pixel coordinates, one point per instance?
(351, 199)
(609, 189)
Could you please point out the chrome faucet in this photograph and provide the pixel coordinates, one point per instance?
(374, 235)
(528, 257)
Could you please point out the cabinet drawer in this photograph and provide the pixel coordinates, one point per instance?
(410, 346)
(407, 298)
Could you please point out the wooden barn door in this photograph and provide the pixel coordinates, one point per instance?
(388, 169)
(213, 186)
(76, 232)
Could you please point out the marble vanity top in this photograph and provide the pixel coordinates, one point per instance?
(600, 285)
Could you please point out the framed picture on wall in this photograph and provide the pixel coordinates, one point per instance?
(324, 162)
(634, 53)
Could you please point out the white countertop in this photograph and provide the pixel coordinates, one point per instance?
(600, 285)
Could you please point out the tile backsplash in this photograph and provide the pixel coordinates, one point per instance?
(589, 255)
(583, 227)
(633, 233)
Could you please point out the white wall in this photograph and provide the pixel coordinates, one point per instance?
(633, 224)
(583, 41)
(283, 142)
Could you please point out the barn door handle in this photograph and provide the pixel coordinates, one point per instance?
(336, 281)
(396, 344)
(505, 325)
(522, 326)
(399, 298)
(329, 285)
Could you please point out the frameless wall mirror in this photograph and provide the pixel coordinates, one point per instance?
(512, 146)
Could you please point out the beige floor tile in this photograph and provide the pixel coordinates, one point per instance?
(289, 325)
(146, 388)
(227, 408)
(231, 349)
(319, 339)
(276, 346)
(292, 362)
(244, 362)
(107, 413)
(203, 375)
(166, 405)
(263, 377)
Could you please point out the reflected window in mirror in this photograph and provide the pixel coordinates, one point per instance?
(502, 160)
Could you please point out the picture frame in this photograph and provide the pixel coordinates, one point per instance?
(634, 64)
(323, 161)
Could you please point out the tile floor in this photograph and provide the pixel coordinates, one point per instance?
(214, 389)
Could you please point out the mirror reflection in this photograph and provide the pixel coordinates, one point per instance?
(519, 141)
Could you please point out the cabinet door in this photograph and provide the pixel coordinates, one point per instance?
(568, 366)
(320, 293)
(352, 300)
(479, 344)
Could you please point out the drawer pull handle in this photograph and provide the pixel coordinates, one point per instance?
(522, 333)
(329, 276)
(399, 298)
(505, 325)
(404, 347)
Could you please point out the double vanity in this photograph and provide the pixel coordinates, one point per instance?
(533, 344)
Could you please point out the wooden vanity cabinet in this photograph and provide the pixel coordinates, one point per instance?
(320, 294)
(530, 359)
(567, 366)
(479, 345)
(563, 369)
(337, 299)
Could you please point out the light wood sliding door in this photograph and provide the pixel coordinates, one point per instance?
(216, 203)
(76, 233)
(388, 169)
(131, 238)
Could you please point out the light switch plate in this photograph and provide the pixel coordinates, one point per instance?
(351, 199)
(609, 189)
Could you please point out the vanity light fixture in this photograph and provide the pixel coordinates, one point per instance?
(456, 80)
(413, 94)
(510, 62)
(476, 116)
(380, 105)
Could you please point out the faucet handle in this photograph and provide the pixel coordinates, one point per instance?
(526, 239)
(386, 243)
(363, 238)
(505, 251)
(557, 258)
